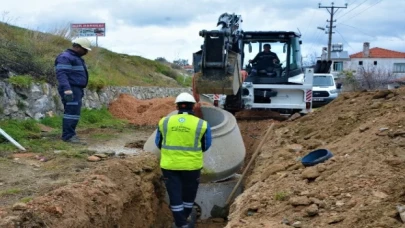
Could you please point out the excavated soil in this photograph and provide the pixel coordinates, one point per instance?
(142, 112)
(360, 186)
(118, 193)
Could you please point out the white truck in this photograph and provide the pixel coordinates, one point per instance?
(324, 89)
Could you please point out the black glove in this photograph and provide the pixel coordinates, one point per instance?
(68, 97)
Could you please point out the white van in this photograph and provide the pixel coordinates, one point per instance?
(324, 89)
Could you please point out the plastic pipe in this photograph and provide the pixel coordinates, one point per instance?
(11, 140)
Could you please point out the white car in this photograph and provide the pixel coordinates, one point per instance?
(324, 89)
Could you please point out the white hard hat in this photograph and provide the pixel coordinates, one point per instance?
(83, 42)
(185, 97)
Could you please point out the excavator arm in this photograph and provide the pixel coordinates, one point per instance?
(217, 66)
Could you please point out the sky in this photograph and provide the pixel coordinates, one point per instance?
(170, 28)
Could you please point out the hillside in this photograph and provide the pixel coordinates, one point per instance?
(27, 52)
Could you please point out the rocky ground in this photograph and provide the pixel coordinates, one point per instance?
(360, 186)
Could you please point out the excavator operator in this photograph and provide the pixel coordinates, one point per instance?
(266, 58)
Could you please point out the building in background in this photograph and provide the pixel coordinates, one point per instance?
(376, 57)
(339, 58)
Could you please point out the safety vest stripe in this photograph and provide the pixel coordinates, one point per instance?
(165, 123)
(188, 205)
(197, 136)
(197, 133)
(197, 149)
(78, 68)
(72, 103)
(63, 66)
(176, 206)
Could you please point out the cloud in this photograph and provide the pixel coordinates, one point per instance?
(155, 28)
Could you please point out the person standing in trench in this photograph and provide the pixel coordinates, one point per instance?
(73, 77)
(182, 139)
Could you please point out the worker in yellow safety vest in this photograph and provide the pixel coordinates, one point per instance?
(182, 139)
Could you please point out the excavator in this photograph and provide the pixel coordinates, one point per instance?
(284, 87)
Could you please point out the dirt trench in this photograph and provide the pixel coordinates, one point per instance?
(359, 186)
(118, 193)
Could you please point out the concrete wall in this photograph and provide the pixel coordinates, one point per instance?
(41, 98)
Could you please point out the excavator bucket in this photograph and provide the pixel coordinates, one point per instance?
(217, 68)
(322, 66)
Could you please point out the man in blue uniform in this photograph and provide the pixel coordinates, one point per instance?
(72, 76)
(182, 140)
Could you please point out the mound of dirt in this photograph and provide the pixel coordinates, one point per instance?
(118, 193)
(143, 112)
(259, 115)
(360, 186)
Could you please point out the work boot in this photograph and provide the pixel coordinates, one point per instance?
(75, 140)
(193, 218)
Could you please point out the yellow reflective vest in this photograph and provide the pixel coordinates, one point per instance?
(181, 142)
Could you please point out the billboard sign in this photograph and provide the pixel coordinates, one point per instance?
(89, 29)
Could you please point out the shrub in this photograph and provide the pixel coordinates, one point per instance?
(96, 84)
(22, 81)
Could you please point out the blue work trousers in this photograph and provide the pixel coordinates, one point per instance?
(182, 189)
(71, 113)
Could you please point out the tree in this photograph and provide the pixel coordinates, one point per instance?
(368, 77)
(161, 60)
(372, 77)
(181, 62)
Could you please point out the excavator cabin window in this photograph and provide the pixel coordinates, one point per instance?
(286, 51)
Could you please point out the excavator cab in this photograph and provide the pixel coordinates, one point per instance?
(217, 65)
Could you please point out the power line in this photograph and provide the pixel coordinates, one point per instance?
(351, 3)
(357, 29)
(318, 35)
(352, 9)
(345, 40)
(309, 25)
(364, 10)
(396, 36)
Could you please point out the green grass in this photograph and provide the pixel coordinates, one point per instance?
(8, 192)
(22, 81)
(31, 54)
(29, 135)
(20, 129)
(26, 199)
(99, 118)
(103, 136)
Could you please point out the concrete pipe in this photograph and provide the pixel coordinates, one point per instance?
(227, 153)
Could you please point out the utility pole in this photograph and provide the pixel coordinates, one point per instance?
(332, 11)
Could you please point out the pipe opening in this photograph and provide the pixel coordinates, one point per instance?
(214, 117)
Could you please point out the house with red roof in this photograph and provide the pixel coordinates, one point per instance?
(389, 60)
(189, 68)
